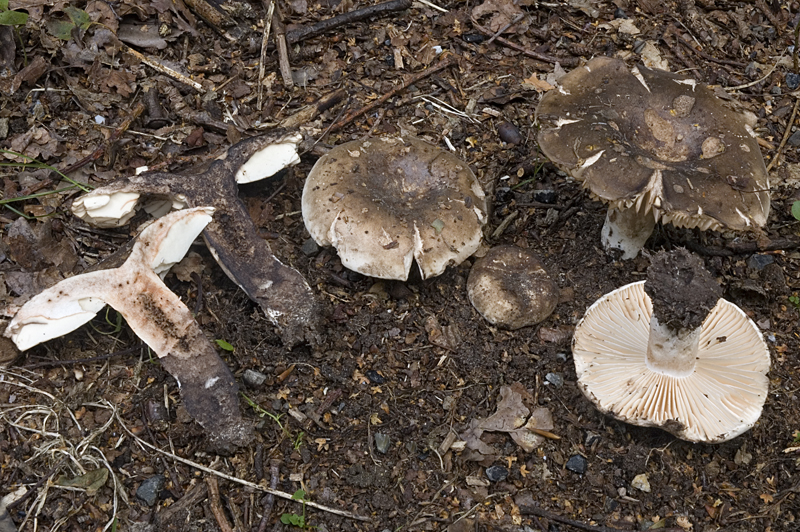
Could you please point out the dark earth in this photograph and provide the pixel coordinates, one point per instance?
(370, 422)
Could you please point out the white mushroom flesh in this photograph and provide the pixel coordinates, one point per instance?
(106, 210)
(270, 160)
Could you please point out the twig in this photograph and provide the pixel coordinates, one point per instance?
(36, 486)
(756, 82)
(535, 510)
(709, 57)
(504, 28)
(310, 112)
(308, 32)
(283, 50)
(251, 485)
(352, 115)
(565, 61)
(785, 135)
(216, 506)
(264, 40)
(269, 500)
(184, 504)
(157, 65)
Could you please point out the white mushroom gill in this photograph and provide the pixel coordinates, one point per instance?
(622, 369)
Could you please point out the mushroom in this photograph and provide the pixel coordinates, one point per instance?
(668, 352)
(246, 258)
(385, 202)
(654, 146)
(155, 314)
(511, 289)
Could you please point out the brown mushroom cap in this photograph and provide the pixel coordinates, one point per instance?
(384, 202)
(651, 139)
(511, 289)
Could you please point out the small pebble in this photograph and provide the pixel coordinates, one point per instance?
(309, 247)
(474, 38)
(591, 438)
(382, 442)
(496, 473)
(374, 377)
(577, 464)
(509, 133)
(555, 379)
(758, 261)
(149, 489)
(620, 13)
(253, 378)
(545, 195)
(794, 139)
(561, 356)
(792, 80)
(641, 483)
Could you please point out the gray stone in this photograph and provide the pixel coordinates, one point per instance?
(577, 464)
(555, 379)
(253, 378)
(382, 442)
(759, 261)
(309, 247)
(149, 489)
(496, 473)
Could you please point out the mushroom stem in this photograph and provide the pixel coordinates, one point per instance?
(672, 353)
(157, 316)
(627, 230)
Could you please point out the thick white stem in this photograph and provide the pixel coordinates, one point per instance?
(672, 353)
(627, 230)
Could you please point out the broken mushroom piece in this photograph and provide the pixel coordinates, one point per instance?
(511, 289)
(386, 202)
(155, 314)
(654, 146)
(669, 353)
(246, 258)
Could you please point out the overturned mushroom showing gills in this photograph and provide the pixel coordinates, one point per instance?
(654, 146)
(386, 202)
(155, 314)
(246, 258)
(695, 366)
(511, 289)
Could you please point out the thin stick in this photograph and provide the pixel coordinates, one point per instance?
(504, 28)
(251, 485)
(352, 115)
(50, 363)
(216, 506)
(565, 61)
(264, 40)
(323, 26)
(785, 135)
(283, 50)
(269, 502)
(160, 67)
(535, 510)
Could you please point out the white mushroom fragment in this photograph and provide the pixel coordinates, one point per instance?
(246, 258)
(695, 366)
(155, 314)
(511, 289)
(654, 146)
(386, 202)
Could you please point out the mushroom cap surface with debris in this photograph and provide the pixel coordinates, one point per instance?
(385, 202)
(511, 289)
(649, 139)
(721, 398)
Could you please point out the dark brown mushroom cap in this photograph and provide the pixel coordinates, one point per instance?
(384, 202)
(650, 137)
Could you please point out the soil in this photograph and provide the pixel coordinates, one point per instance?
(378, 420)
